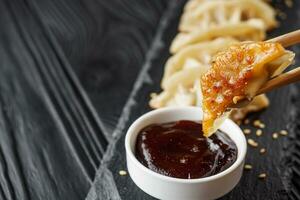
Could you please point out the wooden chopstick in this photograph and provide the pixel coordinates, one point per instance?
(286, 78)
(288, 39)
(281, 80)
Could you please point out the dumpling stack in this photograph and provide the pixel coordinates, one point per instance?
(207, 27)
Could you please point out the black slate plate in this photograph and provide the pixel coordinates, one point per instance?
(75, 74)
(278, 163)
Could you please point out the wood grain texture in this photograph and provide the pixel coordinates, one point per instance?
(49, 147)
(76, 73)
(104, 41)
(55, 56)
(281, 161)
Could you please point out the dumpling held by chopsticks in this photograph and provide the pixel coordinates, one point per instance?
(238, 73)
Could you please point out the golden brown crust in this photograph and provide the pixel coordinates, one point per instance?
(230, 74)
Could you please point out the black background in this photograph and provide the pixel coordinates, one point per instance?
(75, 74)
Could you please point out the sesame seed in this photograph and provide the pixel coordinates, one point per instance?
(256, 123)
(262, 175)
(275, 135)
(283, 132)
(152, 95)
(235, 99)
(262, 125)
(246, 121)
(247, 167)
(288, 3)
(262, 151)
(252, 143)
(259, 132)
(247, 131)
(122, 173)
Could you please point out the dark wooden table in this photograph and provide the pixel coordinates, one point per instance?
(74, 74)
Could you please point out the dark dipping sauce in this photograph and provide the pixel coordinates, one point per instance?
(179, 149)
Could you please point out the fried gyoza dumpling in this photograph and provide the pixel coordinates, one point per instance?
(239, 73)
(182, 74)
(205, 20)
(219, 12)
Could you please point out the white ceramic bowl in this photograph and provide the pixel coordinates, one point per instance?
(169, 188)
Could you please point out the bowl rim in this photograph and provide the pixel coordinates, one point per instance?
(242, 147)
